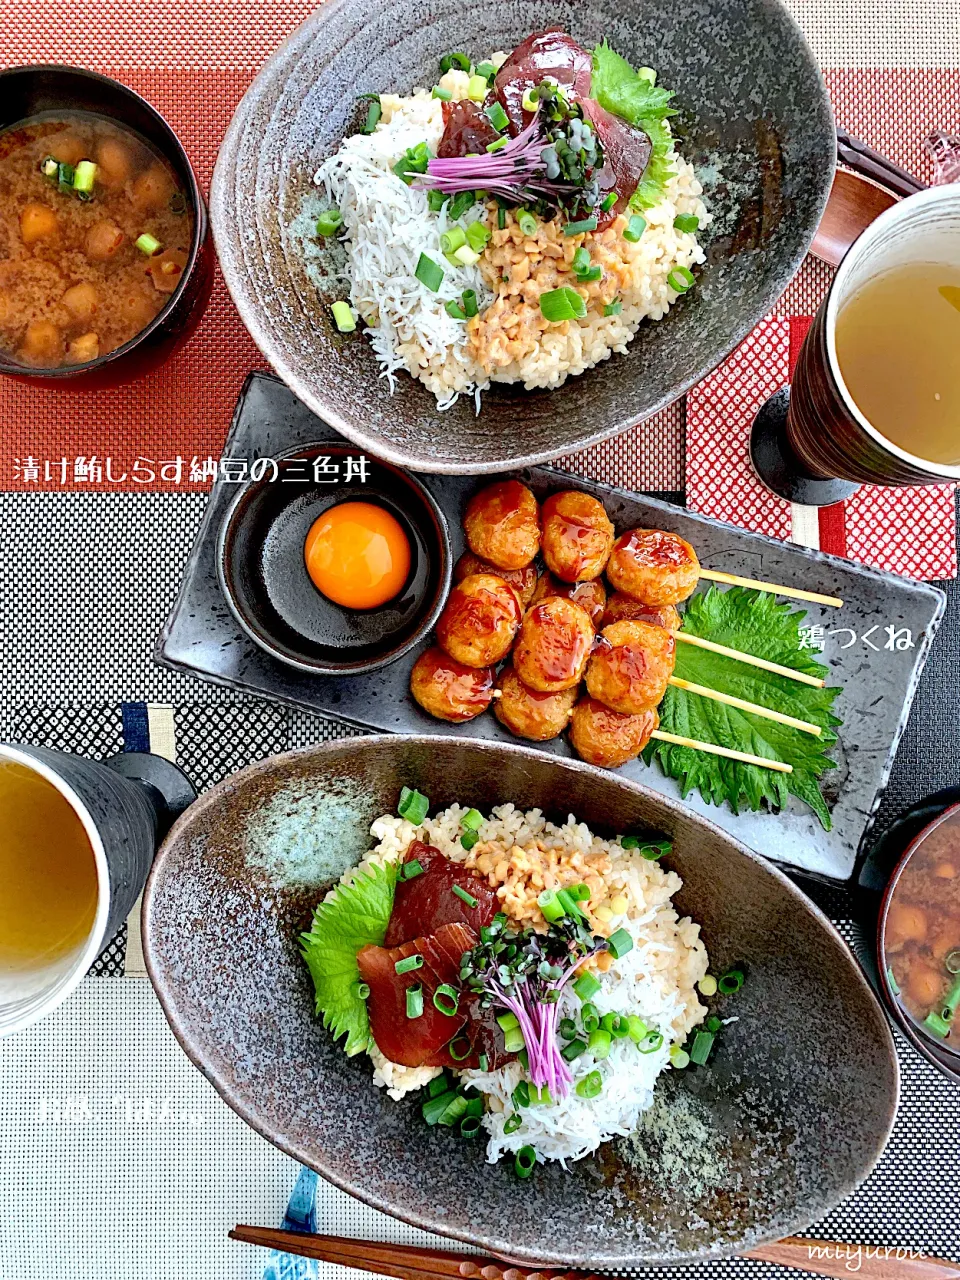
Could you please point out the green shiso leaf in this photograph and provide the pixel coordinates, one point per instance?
(753, 622)
(357, 914)
(618, 88)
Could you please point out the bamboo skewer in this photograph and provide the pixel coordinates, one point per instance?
(749, 659)
(754, 584)
(712, 749)
(728, 699)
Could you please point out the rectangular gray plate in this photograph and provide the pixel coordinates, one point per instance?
(201, 637)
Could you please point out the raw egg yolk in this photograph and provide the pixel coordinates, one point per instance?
(357, 555)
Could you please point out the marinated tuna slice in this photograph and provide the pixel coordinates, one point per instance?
(626, 153)
(422, 1040)
(427, 901)
(551, 53)
(466, 130)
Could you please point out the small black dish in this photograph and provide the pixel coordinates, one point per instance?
(263, 574)
(32, 90)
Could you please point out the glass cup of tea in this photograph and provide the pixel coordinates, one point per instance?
(76, 842)
(876, 392)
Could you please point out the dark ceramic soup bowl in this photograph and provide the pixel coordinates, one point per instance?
(790, 1116)
(754, 119)
(29, 91)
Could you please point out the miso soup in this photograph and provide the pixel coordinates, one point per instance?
(95, 234)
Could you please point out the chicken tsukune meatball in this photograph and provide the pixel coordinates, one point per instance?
(630, 666)
(448, 690)
(525, 580)
(480, 620)
(554, 645)
(530, 713)
(621, 608)
(577, 536)
(653, 566)
(607, 738)
(591, 595)
(502, 524)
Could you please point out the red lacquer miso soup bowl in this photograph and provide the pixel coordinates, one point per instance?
(106, 262)
(919, 942)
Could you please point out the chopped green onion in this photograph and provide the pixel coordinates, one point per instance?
(629, 842)
(680, 280)
(592, 273)
(456, 1054)
(460, 203)
(707, 986)
(329, 222)
(374, 112)
(700, 1049)
(557, 305)
(65, 176)
(436, 200)
(609, 200)
(469, 838)
(651, 1042)
(686, 222)
(484, 1062)
(456, 1107)
(577, 228)
(586, 986)
(531, 99)
(713, 1024)
(472, 820)
(550, 905)
(413, 161)
(414, 1002)
(437, 1103)
(498, 144)
(445, 999)
(540, 1097)
(599, 1042)
(429, 273)
(507, 1021)
(648, 74)
(439, 1084)
(524, 1162)
(636, 1028)
(935, 1023)
(513, 1123)
(567, 1029)
(443, 94)
(524, 1059)
(178, 202)
(579, 892)
(413, 806)
(477, 236)
(521, 1095)
(581, 260)
(619, 943)
(617, 1024)
(477, 88)
(590, 1017)
(452, 239)
(462, 894)
(84, 177)
(731, 982)
(513, 1041)
(591, 1085)
(573, 1050)
(410, 870)
(527, 223)
(470, 1126)
(569, 903)
(466, 256)
(460, 61)
(147, 244)
(679, 1058)
(655, 849)
(49, 167)
(469, 300)
(343, 317)
(360, 990)
(613, 308)
(952, 962)
(634, 228)
(501, 218)
(409, 963)
(497, 116)
(486, 69)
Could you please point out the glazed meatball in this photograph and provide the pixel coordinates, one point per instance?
(447, 689)
(607, 738)
(577, 536)
(591, 595)
(630, 666)
(529, 713)
(554, 645)
(524, 580)
(502, 524)
(621, 608)
(653, 566)
(480, 620)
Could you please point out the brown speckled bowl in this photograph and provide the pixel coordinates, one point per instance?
(791, 1114)
(753, 117)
